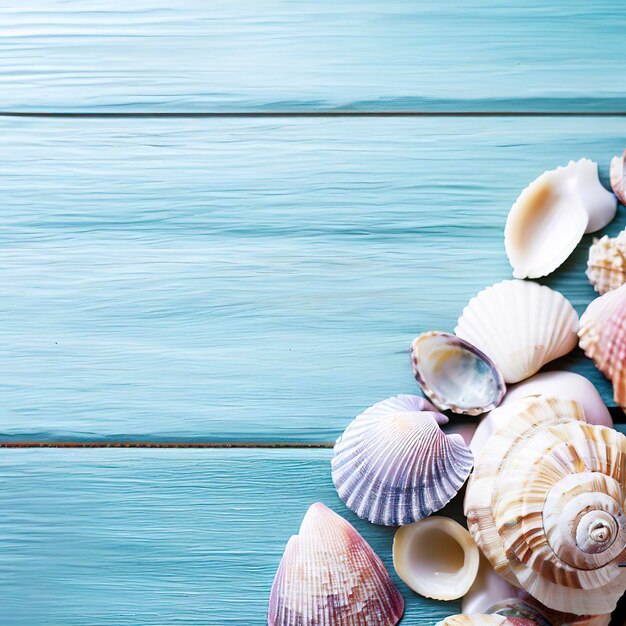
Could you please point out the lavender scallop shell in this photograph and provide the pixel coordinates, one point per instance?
(330, 576)
(394, 465)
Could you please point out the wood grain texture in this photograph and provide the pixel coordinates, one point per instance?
(242, 280)
(377, 55)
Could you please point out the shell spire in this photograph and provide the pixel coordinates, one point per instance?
(330, 576)
(545, 504)
(394, 465)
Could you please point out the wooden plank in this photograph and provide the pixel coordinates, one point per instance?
(158, 537)
(280, 55)
(240, 280)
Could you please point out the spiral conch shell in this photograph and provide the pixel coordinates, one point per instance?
(394, 465)
(606, 267)
(329, 576)
(545, 505)
(603, 338)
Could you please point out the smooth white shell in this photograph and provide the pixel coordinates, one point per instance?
(561, 384)
(436, 557)
(551, 215)
(455, 375)
(329, 576)
(520, 325)
(394, 465)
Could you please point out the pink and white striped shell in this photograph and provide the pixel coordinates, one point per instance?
(329, 576)
(602, 336)
(546, 506)
(606, 267)
(394, 465)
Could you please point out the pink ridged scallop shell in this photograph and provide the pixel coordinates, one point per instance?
(603, 338)
(330, 576)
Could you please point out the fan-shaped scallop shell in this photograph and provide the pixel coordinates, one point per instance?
(618, 177)
(603, 338)
(329, 576)
(484, 620)
(394, 465)
(545, 504)
(520, 325)
(436, 557)
(606, 267)
(455, 375)
(551, 215)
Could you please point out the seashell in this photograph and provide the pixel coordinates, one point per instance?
(566, 385)
(487, 590)
(517, 608)
(394, 465)
(455, 375)
(551, 215)
(484, 620)
(329, 576)
(519, 325)
(603, 338)
(436, 557)
(545, 505)
(606, 267)
(618, 177)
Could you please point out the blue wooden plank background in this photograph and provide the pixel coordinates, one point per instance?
(225, 55)
(212, 280)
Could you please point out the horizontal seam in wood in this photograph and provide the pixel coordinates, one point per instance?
(151, 444)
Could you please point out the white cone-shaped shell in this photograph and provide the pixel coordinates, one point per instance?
(618, 177)
(520, 325)
(436, 557)
(483, 620)
(329, 576)
(551, 215)
(455, 375)
(566, 385)
(603, 338)
(545, 506)
(488, 589)
(394, 465)
(606, 267)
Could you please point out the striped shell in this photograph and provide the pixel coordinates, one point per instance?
(606, 267)
(545, 504)
(603, 338)
(484, 620)
(455, 375)
(394, 465)
(520, 326)
(329, 576)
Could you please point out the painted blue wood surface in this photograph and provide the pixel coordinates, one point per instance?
(250, 279)
(382, 55)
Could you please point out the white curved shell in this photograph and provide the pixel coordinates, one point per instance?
(455, 375)
(566, 385)
(551, 215)
(488, 589)
(545, 506)
(520, 325)
(436, 557)
(606, 267)
(618, 177)
(323, 570)
(394, 465)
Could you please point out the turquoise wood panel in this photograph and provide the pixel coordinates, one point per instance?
(374, 55)
(229, 280)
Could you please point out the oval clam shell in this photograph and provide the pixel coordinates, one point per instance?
(436, 557)
(520, 325)
(329, 576)
(455, 375)
(394, 465)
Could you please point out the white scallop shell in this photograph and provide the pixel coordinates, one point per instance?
(455, 375)
(394, 465)
(606, 267)
(545, 505)
(618, 177)
(567, 385)
(329, 576)
(551, 215)
(436, 557)
(520, 325)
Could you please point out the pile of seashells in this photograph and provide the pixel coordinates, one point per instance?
(545, 470)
